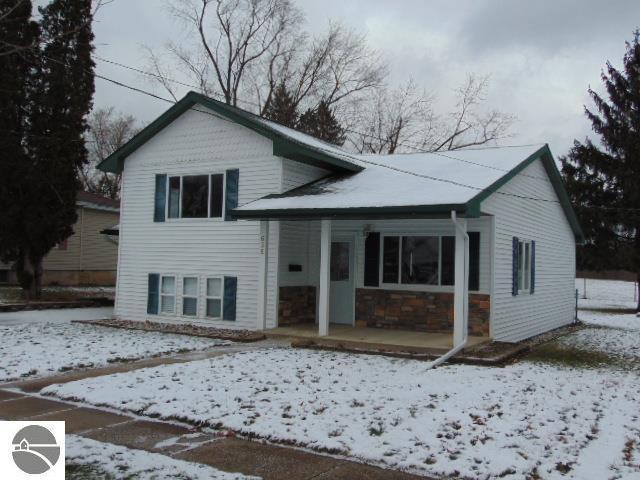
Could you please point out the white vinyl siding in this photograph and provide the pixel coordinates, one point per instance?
(552, 305)
(195, 143)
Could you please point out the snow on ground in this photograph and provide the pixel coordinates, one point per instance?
(54, 316)
(455, 420)
(613, 342)
(39, 348)
(123, 463)
(606, 294)
(627, 321)
(13, 294)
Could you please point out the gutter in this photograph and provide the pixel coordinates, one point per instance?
(465, 315)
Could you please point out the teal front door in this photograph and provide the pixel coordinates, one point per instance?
(341, 281)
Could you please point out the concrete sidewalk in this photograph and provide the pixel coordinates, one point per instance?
(189, 443)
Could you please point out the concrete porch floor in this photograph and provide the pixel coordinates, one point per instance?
(378, 336)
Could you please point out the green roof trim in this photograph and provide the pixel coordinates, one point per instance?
(544, 154)
(283, 145)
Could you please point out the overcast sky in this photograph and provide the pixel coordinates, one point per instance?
(541, 55)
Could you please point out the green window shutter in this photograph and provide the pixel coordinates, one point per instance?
(533, 266)
(372, 260)
(514, 266)
(160, 199)
(231, 196)
(153, 293)
(230, 294)
(474, 261)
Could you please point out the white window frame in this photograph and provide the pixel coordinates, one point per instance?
(524, 273)
(207, 297)
(161, 294)
(196, 296)
(208, 217)
(409, 286)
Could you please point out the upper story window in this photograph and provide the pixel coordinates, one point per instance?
(195, 196)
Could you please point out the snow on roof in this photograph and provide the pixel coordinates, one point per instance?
(310, 141)
(417, 179)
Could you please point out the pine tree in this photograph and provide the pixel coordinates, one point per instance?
(321, 123)
(603, 179)
(18, 30)
(61, 86)
(281, 108)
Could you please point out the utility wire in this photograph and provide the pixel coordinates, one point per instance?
(357, 158)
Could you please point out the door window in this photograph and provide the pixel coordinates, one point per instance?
(339, 261)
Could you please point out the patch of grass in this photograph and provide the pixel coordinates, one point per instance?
(557, 354)
(86, 472)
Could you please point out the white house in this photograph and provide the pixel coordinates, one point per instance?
(234, 221)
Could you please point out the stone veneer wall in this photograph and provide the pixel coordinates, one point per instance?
(297, 305)
(420, 311)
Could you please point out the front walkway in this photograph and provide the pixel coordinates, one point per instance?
(19, 401)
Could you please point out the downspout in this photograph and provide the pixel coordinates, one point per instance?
(465, 316)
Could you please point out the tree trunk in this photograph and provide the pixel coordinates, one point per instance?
(30, 276)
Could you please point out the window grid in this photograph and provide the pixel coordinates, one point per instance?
(190, 296)
(213, 298)
(168, 294)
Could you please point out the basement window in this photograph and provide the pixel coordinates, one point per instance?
(214, 297)
(168, 294)
(190, 296)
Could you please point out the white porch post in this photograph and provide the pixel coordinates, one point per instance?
(461, 288)
(262, 274)
(325, 258)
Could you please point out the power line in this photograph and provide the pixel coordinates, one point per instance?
(411, 145)
(360, 159)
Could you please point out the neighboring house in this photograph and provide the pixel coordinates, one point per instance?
(231, 220)
(88, 257)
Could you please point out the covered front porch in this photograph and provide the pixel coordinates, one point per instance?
(405, 283)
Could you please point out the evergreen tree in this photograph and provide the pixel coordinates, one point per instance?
(603, 179)
(281, 108)
(61, 86)
(18, 30)
(321, 123)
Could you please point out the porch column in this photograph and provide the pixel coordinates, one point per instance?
(461, 288)
(325, 260)
(263, 270)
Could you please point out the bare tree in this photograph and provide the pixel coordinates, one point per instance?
(392, 119)
(404, 119)
(244, 49)
(231, 37)
(108, 131)
(469, 124)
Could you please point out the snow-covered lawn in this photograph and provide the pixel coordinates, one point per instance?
(627, 321)
(13, 294)
(54, 316)
(454, 420)
(124, 463)
(606, 294)
(38, 348)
